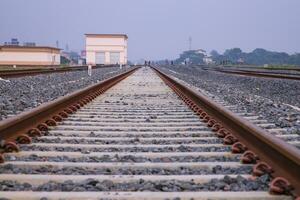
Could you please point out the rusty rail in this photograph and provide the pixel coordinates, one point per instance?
(259, 74)
(29, 124)
(283, 158)
(46, 70)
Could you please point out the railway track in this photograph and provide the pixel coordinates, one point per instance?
(139, 140)
(278, 75)
(46, 70)
(286, 133)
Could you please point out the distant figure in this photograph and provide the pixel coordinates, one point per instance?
(145, 63)
(172, 62)
(185, 62)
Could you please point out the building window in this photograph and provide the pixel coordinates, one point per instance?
(114, 57)
(100, 58)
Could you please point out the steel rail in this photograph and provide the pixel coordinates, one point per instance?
(38, 119)
(31, 72)
(281, 156)
(258, 74)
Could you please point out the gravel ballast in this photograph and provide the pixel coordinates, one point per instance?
(49, 169)
(126, 158)
(141, 135)
(274, 99)
(180, 148)
(226, 184)
(24, 93)
(131, 141)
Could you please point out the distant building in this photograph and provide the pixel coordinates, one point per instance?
(240, 61)
(106, 49)
(29, 55)
(29, 44)
(208, 60)
(83, 54)
(13, 42)
(200, 51)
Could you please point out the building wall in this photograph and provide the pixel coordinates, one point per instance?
(106, 44)
(29, 58)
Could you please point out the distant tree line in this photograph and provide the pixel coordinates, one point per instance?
(237, 56)
(256, 57)
(191, 56)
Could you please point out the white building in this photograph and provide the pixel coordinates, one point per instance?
(29, 55)
(106, 49)
(208, 60)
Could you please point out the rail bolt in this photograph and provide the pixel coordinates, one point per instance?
(23, 139)
(69, 111)
(81, 103)
(249, 158)
(73, 108)
(280, 185)
(51, 122)
(10, 147)
(262, 168)
(238, 147)
(63, 114)
(43, 127)
(34, 132)
(216, 127)
(206, 119)
(90, 98)
(1, 158)
(57, 118)
(211, 122)
(222, 133)
(202, 115)
(199, 111)
(77, 105)
(85, 100)
(191, 104)
(230, 139)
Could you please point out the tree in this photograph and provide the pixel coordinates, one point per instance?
(214, 54)
(192, 56)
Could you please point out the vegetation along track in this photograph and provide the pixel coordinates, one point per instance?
(139, 140)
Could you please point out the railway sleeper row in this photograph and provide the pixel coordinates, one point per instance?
(164, 153)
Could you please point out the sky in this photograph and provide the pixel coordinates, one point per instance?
(157, 29)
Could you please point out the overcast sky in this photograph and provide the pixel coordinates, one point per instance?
(157, 29)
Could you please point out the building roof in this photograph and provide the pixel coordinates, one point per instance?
(32, 48)
(106, 35)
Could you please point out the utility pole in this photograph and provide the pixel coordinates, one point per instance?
(190, 43)
(57, 44)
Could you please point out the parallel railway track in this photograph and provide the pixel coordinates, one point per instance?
(257, 73)
(139, 140)
(46, 70)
